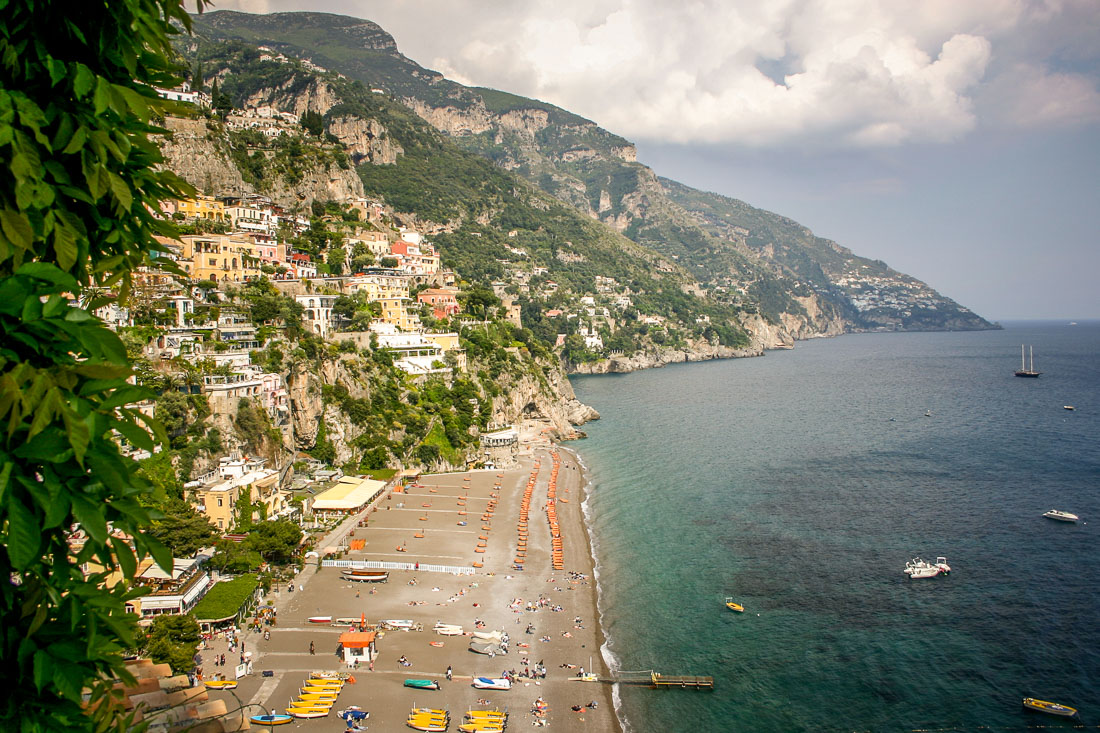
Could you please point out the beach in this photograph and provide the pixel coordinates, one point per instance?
(550, 615)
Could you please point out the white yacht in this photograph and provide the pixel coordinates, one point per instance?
(1060, 516)
(918, 568)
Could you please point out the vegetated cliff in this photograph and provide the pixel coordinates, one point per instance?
(752, 259)
(201, 152)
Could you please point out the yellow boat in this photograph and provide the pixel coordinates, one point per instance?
(482, 726)
(220, 684)
(1052, 708)
(428, 726)
(486, 715)
(307, 712)
(428, 711)
(313, 703)
(314, 682)
(734, 606)
(321, 689)
(317, 697)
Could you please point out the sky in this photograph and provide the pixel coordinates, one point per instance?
(957, 140)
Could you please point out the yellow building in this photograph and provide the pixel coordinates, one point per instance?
(219, 257)
(205, 207)
(239, 477)
(395, 311)
(377, 286)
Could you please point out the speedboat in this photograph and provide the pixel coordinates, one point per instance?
(492, 683)
(422, 684)
(734, 606)
(272, 719)
(917, 568)
(1061, 516)
(1050, 707)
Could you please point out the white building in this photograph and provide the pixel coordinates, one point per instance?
(318, 316)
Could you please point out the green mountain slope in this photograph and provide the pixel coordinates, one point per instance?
(744, 259)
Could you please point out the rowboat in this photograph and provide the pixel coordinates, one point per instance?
(220, 684)
(422, 684)
(365, 577)
(492, 683)
(320, 619)
(307, 712)
(731, 605)
(273, 719)
(1050, 707)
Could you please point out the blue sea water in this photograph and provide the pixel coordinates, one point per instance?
(801, 482)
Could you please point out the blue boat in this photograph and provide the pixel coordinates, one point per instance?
(274, 719)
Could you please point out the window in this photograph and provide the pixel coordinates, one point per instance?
(219, 501)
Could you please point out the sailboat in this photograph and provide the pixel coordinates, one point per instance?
(1025, 370)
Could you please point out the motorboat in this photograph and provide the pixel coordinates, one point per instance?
(1052, 708)
(731, 605)
(1071, 408)
(271, 719)
(1060, 516)
(422, 684)
(492, 683)
(320, 619)
(220, 684)
(918, 568)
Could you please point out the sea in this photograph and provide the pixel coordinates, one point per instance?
(799, 484)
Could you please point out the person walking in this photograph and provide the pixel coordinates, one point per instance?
(311, 648)
(448, 673)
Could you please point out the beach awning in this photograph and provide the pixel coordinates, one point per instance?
(357, 639)
(349, 493)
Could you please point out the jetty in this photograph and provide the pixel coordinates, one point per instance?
(658, 681)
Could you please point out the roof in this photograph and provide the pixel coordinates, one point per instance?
(350, 492)
(356, 639)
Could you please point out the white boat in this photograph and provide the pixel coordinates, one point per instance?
(448, 630)
(492, 683)
(490, 636)
(1061, 516)
(320, 619)
(399, 624)
(918, 568)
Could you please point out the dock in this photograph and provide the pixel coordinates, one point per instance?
(659, 681)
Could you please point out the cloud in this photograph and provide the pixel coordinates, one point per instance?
(762, 73)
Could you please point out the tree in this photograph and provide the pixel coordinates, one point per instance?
(83, 181)
(182, 529)
(235, 557)
(313, 123)
(336, 259)
(173, 640)
(276, 541)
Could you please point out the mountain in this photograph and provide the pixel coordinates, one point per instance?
(743, 268)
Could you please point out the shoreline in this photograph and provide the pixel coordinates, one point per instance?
(430, 521)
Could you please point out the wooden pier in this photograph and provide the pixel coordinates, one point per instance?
(659, 681)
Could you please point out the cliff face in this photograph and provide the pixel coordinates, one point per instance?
(199, 152)
(366, 141)
(552, 401)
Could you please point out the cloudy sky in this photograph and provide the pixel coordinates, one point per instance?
(958, 140)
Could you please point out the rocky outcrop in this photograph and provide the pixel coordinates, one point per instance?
(553, 402)
(295, 96)
(365, 140)
(197, 152)
(453, 121)
(656, 358)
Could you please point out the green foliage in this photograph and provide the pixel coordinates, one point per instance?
(182, 529)
(82, 182)
(235, 557)
(226, 599)
(254, 426)
(277, 541)
(312, 122)
(173, 640)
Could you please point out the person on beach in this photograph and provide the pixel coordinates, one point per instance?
(311, 650)
(448, 673)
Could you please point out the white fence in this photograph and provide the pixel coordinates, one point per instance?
(380, 565)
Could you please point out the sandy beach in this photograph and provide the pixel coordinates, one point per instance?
(550, 615)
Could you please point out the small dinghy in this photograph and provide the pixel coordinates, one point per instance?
(273, 719)
(422, 684)
(733, 606)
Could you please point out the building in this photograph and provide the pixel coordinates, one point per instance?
(217, 496)
(350, 494)
(500, 449)
(444, 301)
(317, 315)
(219, 257)
(176, 592)
(357, 647)
(395, 311)
(378, 283)
(202, 207)
(252, 218)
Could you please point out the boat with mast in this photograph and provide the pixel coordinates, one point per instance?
(1025, 370)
